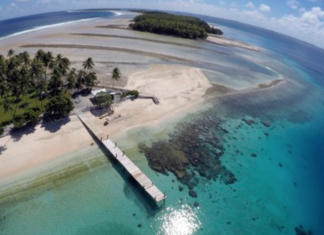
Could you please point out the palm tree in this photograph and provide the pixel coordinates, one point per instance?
(41, 86)
(24, 82)
(47, 59)
(116, 75)
(25, 58)
(80, 79)
(3, 88)
(37, 69)
(6, 104)
(88, 64)
(71, 81)
(90, 79)
(11, 52)
(40, 54)
(55, 82)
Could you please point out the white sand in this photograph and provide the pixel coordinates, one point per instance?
(40, 150)
(230, 42)
(178, 89)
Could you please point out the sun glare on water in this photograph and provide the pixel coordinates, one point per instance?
(181, 221)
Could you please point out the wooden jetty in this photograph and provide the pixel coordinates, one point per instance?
(155, 100)
(128, 165)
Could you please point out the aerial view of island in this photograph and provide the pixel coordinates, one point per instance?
(136, 121)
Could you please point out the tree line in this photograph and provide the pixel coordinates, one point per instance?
(42, 84)
(175, 25)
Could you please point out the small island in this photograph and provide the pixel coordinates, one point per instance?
(173, 25)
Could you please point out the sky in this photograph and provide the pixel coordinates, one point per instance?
(302, 19)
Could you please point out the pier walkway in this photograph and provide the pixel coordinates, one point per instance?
(128, 165)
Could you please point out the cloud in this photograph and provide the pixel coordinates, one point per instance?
(43, 1)
(22, 0)
(255, 14)
(293, 4)
(264, 8)
(250, 5)
(308, 26)
(13, 5)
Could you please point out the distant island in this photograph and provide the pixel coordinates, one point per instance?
(174, 25)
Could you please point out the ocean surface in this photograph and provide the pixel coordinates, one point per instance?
(270, 141)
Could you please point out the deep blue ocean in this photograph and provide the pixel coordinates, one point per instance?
(22, 24)
(278, 189)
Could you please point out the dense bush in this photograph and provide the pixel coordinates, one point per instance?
(59, 106)
(134, 93)
(102, 99)
(1, 130)
(19, 121)
(176, 25)
(32, 115)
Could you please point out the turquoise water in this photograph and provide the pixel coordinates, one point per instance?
(278, 168)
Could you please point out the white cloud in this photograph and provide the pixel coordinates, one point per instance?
(308, 26)
(233, 4)
(13, 5)
(264, 8)
(250, 5)
(22, 0)
(255, 14)
(293, 4)
(43, 1)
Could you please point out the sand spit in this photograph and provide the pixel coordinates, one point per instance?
(91, 47)
(145, 39)
(178, 89)
(230, 42)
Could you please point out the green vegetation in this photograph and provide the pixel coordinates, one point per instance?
(29, 87)
(59, 106)
(134, 93)
(175, 25)
(102, 99)
(116, 75)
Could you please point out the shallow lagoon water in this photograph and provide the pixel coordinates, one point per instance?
(277, 190)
